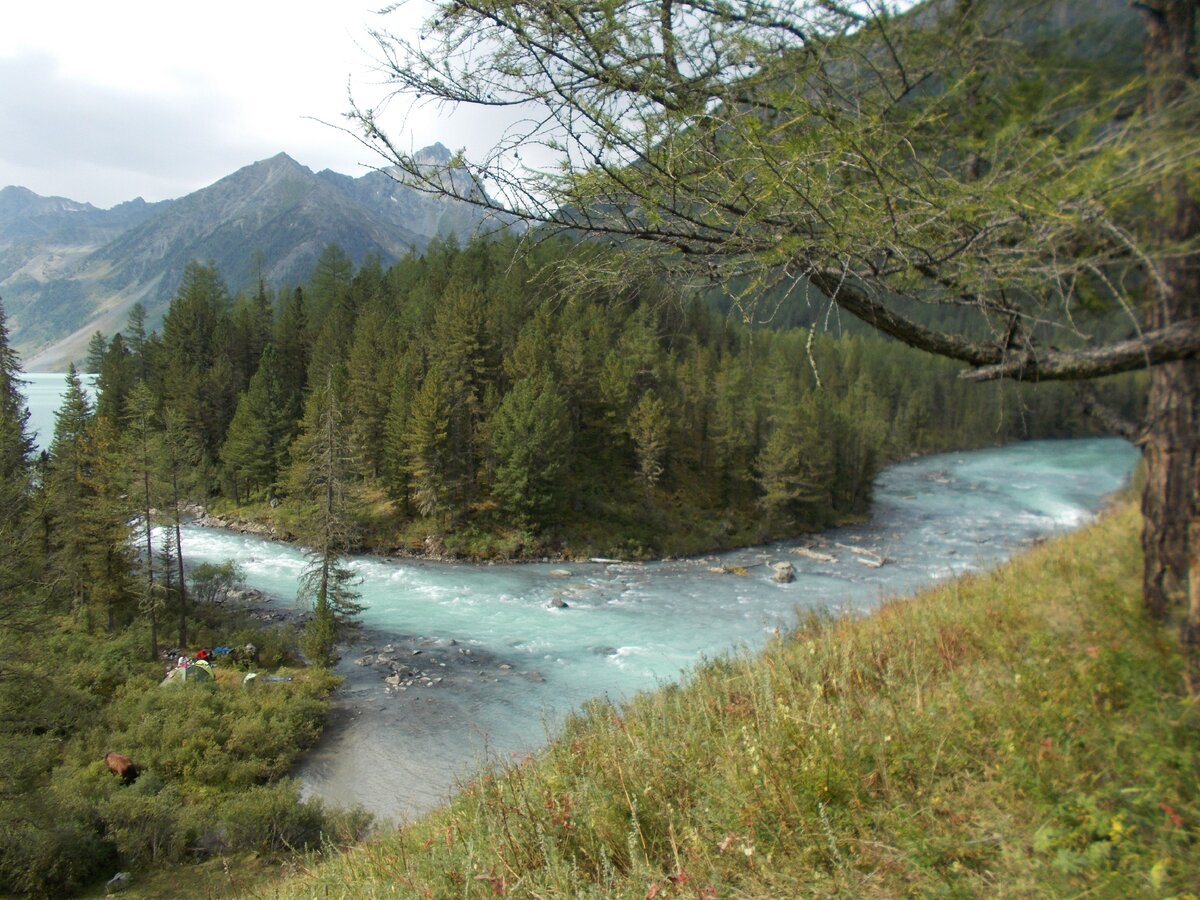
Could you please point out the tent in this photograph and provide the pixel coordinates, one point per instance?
(191, 674)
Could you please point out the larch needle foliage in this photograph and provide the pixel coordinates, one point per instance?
(1020, 733)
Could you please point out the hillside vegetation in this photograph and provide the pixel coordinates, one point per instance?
(1019, 733)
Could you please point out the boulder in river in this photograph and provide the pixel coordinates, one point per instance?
(785, 572)
(558, 603)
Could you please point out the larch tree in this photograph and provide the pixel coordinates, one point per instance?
(648, 429)
(179, 459)
(323, 470)
(140, 443)
(878, 158)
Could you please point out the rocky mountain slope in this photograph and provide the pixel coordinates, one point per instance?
(68, 269)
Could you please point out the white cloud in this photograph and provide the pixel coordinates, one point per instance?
(102, 102)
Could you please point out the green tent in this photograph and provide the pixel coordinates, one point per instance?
(191, 674)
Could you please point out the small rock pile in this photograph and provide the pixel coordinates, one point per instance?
(434, 664)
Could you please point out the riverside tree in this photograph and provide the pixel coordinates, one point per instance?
(874, 158)
(323, 470)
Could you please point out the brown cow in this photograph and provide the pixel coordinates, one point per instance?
(121, 765)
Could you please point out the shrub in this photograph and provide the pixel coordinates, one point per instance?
(273, 818)
(48, 854)
(146, 828)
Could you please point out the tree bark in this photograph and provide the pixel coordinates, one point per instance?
(179, 563)
(1171, 499)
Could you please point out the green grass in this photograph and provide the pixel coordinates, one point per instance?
(1022, 733)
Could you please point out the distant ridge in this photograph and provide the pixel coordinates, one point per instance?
(68, 269)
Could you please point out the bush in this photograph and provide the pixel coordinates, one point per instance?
(274, 818)
(211, 581)
(49, 855)
(146, 828)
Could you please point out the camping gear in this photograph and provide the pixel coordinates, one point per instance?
(198, 671)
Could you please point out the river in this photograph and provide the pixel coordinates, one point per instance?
(493, 666)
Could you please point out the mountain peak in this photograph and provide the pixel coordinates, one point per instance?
(433, 154)
(16, 199)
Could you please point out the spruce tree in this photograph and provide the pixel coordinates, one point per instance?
(255, 443)
(293, 344)
(95, 354)
(371, 358)
(117, 375)
(427, 448)
(199, 381)
(66, 494)
(179, 458)
(17, 561)
(16, 444)
(531, 439)
(405, 381)
(105, 519)
(135, 339)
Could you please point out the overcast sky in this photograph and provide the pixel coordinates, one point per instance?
(104, 102)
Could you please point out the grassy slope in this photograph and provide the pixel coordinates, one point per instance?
(1021, 733)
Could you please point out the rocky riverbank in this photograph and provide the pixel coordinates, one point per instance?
(202, 517)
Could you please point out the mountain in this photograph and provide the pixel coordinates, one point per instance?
(68, 269)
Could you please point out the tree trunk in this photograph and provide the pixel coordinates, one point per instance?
(1171, 500)
(149, 556)
(179, 564)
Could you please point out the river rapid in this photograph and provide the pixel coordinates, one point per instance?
(489, 665)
